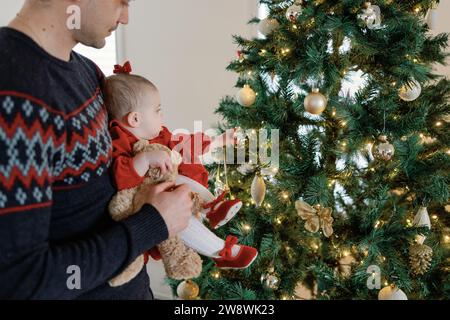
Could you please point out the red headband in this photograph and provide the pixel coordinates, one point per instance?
(125, 69)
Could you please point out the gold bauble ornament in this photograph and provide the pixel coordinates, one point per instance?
(258, 190)
(391, 292)
(315, 103)
(267, 26)
(188, 290)
(246, 97)
(420, 256)
(410, 91)
(346, 264)
(383, 150)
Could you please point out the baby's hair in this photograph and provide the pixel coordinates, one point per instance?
(123, 93)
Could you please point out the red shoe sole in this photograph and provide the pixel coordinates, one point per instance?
(230, 215)
(240, 268)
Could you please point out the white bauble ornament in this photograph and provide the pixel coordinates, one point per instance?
(258, 190)
(267, 26)
(315, 103)
(294, 11)
(188, 290)
(383, 150)
(410, 91)
(391, 292)
(246, 97)
(422, 218)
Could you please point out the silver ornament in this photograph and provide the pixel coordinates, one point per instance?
(294, 11)
(383, 150)
(410, 91)
(371, 16)
(270, 280)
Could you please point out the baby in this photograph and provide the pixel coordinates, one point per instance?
(134, 107)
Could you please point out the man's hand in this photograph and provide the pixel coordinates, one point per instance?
(173, 203)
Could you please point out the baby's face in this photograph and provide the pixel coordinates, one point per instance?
(152, 120)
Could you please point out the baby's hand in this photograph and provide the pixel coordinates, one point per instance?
(159, 159)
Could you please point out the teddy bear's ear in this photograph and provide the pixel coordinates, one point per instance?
(140, 146)
(176, 157)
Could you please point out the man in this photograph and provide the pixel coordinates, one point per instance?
(56, 238)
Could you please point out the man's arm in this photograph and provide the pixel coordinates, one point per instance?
(31, 266)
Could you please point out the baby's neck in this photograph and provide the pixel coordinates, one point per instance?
(138, 134)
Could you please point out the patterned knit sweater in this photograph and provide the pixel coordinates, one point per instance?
(55, 184)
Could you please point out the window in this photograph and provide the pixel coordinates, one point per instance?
(105, 58)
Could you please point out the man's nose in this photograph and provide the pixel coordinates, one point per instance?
(124, 17)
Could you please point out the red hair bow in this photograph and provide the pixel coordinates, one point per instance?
(125, 69)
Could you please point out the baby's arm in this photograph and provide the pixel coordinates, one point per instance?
(152, 159)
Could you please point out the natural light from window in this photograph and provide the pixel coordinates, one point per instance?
(105, 58)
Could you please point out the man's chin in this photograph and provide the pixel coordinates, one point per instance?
(96, 44)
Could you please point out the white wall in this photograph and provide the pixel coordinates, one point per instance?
(443, 26)
(184, 47)
(8, 10)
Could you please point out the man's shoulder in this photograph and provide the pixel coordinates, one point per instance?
(89, 64)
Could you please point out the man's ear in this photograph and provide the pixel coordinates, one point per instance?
(133, 119)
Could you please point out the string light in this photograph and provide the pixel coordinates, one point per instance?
(279, 220)
(247, 227)
(446, 239)
(438, 124)
(435, 217)
(215, 274)
(285, 195)
(377, 224)
(345, 253)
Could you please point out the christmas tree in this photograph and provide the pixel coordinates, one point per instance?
(358, 206)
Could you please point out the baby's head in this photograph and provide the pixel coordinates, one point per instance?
(135, 102)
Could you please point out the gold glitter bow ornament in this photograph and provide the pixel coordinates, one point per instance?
(316, 217)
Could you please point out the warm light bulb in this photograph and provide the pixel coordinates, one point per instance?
(438, 124)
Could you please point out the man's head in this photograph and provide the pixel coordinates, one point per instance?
(135, 102)
(98, 18)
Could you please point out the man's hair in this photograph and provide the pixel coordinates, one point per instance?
(123, 93)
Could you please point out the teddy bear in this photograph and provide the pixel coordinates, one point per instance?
(180, 262)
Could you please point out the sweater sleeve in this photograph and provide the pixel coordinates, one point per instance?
(125, 175)
(31, 265)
